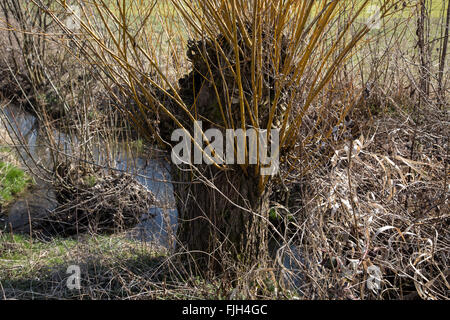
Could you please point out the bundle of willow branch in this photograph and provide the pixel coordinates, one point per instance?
(105, 204)
(212, 85)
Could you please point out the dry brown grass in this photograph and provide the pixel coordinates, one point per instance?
(378, 206)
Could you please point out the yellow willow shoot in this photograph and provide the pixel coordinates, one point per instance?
(295, 43)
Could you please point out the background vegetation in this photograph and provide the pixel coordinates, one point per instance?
(364, 143)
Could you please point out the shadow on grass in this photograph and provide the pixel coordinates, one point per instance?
(140, 277)
(110, 268)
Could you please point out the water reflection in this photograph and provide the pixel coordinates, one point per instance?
(33, 147)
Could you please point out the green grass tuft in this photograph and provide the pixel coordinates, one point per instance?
(13, 181)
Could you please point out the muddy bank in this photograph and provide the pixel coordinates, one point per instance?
(5, 146)
(36, 204)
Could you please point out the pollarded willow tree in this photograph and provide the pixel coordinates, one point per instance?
(254, 64)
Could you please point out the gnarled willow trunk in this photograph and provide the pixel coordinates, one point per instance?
(223, 216)
(222, 223)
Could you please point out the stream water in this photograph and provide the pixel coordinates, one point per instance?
(35, 152)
